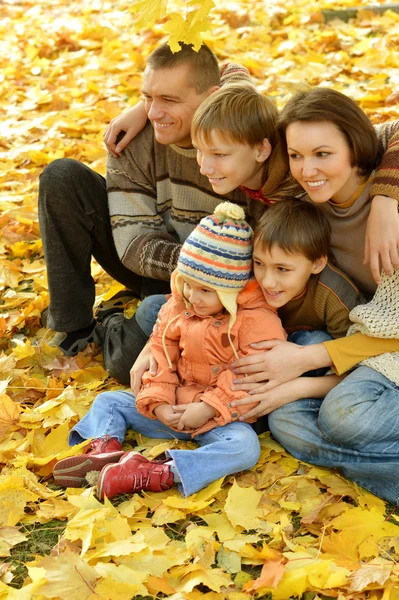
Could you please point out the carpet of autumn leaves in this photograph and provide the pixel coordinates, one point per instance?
(283, 530)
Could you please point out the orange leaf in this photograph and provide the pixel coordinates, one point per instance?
(271, 574)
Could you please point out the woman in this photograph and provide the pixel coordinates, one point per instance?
(332, 152)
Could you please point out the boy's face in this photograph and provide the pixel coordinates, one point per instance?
(283, 276)
(230, 164)
(204, 300)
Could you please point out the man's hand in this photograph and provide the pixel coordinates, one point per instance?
(144, 362)
(282, 362)
(131, 122)
(382, 237)
(167, 414)
(194, 415)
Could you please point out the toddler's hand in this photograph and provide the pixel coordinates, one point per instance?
(167, 414)
(194, 415)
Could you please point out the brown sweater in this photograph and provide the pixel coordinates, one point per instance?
(324, 304)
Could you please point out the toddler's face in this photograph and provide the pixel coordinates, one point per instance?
(204, 300)
(282, 276)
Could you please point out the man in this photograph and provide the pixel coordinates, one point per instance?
(156, 196)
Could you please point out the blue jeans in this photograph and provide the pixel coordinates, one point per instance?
(222, 451)
(306, 338)
(147, 312)
(355, 429)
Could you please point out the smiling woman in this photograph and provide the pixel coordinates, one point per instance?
(332, 150)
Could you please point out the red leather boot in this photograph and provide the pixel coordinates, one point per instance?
(133, 473)
(71, 471)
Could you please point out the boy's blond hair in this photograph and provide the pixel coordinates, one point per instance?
(239, 112)
(296, 227)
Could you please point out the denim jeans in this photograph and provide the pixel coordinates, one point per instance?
(147, 312)
(222, 451)
(75, 226)
(355, 429)
(306, 338)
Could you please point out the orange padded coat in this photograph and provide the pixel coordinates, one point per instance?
(200, 351)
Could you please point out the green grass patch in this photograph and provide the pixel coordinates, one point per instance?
(42, 537)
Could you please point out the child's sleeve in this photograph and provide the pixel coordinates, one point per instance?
(161, 388)
(258, 325)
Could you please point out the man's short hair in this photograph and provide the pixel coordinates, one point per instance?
(239, 112)
(203, 65)
(325, 104)
(296, 227)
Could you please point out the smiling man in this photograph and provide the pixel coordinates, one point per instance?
(134, 222)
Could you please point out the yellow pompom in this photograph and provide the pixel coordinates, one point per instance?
(230, 210)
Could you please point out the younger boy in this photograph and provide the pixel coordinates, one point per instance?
(291, 250)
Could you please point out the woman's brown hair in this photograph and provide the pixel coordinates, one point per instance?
(325, 104)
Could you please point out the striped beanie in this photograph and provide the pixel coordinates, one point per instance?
(218, 254)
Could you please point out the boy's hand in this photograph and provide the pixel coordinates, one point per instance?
(167, 414)
(131, 123)
(194, 415)
(382, 237)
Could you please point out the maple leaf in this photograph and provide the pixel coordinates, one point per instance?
(149, 12)
(367, 574)
(242, 507)
(10, 537)
(271, 574)
(9, 414)
(68, 576)
(187, 31)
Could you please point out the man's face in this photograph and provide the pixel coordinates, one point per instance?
(170, 102)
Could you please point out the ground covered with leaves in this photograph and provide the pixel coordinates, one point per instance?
(283, 530)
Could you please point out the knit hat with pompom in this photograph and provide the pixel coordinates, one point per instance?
(218, 254)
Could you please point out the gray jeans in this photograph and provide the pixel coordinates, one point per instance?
(75, 226)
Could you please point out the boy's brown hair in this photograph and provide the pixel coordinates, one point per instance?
(325, 104)
(295, 226)
(239, 112)
(203, 65)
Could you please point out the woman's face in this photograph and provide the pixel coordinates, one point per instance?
(320, 161)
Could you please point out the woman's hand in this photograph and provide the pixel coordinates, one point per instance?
(382, 237)
(270, 400)
(144, 362)
(131, 122)
(282, 362)
(301, 387)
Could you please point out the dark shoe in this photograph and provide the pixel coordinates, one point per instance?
(133, 473)
(115, 304)
(71, 472)
(75, 341)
